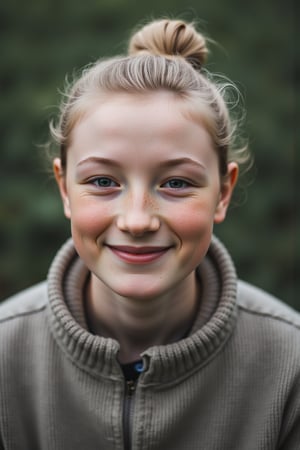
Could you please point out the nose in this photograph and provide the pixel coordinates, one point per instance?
(138, 214)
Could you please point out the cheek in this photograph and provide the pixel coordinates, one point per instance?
(193, 227)
(192, 221)
(89, 218)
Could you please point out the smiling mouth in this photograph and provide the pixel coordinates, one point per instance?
(138, 255)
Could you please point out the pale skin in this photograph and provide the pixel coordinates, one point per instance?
(142, 190)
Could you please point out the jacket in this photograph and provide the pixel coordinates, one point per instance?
(232, 383)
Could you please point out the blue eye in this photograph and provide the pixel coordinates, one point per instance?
(104, 182)
(176, 183)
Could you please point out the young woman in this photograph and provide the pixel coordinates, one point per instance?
(143, 337)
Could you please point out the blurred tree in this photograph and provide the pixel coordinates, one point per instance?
(44, 40)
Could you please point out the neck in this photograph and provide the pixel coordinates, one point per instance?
(138, 323)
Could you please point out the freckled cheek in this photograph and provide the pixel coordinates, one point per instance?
(151, 204)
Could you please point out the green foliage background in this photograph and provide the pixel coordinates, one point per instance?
(43, 40)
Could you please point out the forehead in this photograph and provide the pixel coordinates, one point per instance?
(148, 128)
(162, 112)
(140, 130)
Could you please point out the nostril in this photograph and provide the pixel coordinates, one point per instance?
(138, 223)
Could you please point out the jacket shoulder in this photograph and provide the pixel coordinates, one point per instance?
(259, 302)
(29, 301)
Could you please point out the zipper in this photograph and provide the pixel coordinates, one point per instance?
(130, 387)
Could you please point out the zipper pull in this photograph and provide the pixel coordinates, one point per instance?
(130, 387)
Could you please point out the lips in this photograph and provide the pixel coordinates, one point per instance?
(138, 255)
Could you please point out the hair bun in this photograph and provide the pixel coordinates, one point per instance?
(170, 38)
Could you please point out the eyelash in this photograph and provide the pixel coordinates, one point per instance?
(95, 182)
(177, 180)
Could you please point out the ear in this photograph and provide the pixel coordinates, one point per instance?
(61, 182)
(226, 192)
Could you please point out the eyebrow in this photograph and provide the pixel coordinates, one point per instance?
(183, 160)
(99, 160)
(168, 163)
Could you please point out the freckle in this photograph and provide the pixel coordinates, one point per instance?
(149, 202)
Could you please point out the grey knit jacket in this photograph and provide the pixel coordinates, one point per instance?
(232, 384)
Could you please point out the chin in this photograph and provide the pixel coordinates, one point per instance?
(138, 290)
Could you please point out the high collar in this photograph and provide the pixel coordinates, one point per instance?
(164, 363)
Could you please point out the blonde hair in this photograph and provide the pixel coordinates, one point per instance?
(163, 55)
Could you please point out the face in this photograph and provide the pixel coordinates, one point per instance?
(142, 190)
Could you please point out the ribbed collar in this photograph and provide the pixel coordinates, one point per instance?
(98, 355)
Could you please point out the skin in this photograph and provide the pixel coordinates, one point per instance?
(142, 191)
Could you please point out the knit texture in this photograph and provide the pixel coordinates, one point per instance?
(233, 383)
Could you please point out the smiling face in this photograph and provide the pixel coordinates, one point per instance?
(142, 190)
